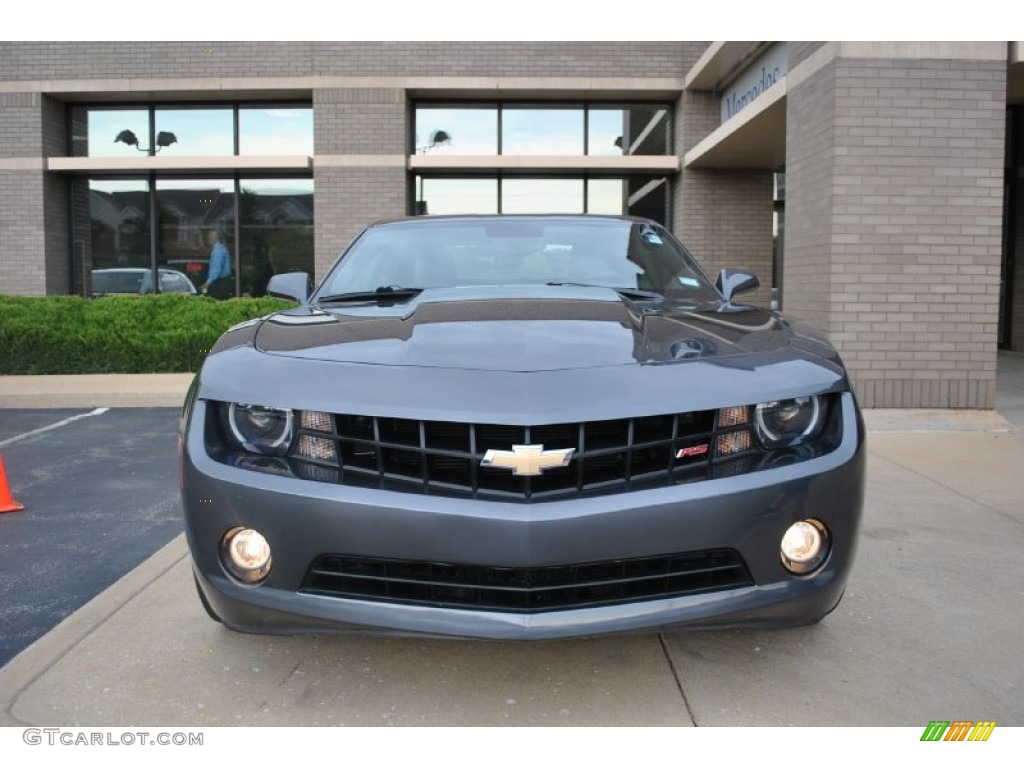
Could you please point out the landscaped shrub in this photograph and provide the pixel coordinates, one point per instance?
(117, 334)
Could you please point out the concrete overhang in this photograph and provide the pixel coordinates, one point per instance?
(612, 165)
(720, 63)
(301, 88)
(546, 88)
(205, 164)
(754, 138)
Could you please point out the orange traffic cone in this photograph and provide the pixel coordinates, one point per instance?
(7, 502)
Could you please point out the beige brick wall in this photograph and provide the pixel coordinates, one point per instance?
(360, 121)
(894, 211)
(160, 59)
(22, 233)
(347, 200)
(723, 217)
(810, 167)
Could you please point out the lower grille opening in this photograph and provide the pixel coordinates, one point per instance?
(526, 590)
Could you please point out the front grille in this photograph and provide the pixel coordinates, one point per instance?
(526, 590)
(445, 457)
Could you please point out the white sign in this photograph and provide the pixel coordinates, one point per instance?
(765, 71)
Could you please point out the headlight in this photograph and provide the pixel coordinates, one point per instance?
(262, 429)
(788, 422)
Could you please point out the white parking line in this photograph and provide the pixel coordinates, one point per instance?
(61, 423)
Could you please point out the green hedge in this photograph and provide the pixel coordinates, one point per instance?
(116, 334)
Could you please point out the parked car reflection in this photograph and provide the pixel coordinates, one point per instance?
(138, 280)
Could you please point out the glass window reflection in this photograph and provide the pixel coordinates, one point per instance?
(276, 230)
(542, 196)
(275, 131)
(94, 131)
(456, 196)
(604, 196)
(197, 132)
(647, 130)
(119, 226)
(450, 131)
(605, 131)
(196, 230)
(529, 131)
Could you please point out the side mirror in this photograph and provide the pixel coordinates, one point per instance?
(290, 285)
(733, 281)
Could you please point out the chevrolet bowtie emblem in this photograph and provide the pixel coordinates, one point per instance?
(528, 459)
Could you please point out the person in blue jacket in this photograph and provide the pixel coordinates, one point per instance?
(218, 275)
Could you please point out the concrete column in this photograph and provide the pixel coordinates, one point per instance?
(33, 209)
(361, 138)
(894, 165)
(724, 217)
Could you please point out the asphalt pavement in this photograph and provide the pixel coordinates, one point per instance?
(101, 496)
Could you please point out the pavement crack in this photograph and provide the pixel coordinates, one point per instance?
(966, 497)
(289, 676)
(679, 682)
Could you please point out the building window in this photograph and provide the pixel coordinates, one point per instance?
(275, 230)
(536, 130)
(198, 132)
(645, 196)
(443, 196)
(475, 127)
(93, 131)
(191, 130)
(195, 222)
(543, 129)
(275, 131)
(113, 221)
(542, 195)
(228, 232)
(195, 238)
(530, 130)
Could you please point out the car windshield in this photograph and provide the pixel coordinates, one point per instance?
(446, 253)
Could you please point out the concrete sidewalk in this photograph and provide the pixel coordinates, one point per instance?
(100, 390)
(929, 627)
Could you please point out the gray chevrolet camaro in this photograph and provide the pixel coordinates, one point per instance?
(520, 427)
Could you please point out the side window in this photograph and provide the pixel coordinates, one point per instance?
(173, 284)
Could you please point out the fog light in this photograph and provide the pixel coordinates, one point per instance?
(804, 546)
(246, 554)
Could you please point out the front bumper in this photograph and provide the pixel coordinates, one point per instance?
(304, 519)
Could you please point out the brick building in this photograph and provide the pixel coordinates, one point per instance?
(874, 187)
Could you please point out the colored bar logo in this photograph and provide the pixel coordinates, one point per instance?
(958, 730)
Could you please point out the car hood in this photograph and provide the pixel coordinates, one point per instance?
(520, 329)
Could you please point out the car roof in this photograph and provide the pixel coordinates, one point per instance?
(524, 216)
(127, 270)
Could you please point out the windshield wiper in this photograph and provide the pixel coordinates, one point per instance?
(383, 293)
(631, 293)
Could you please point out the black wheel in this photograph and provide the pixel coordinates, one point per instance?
(206, 603)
